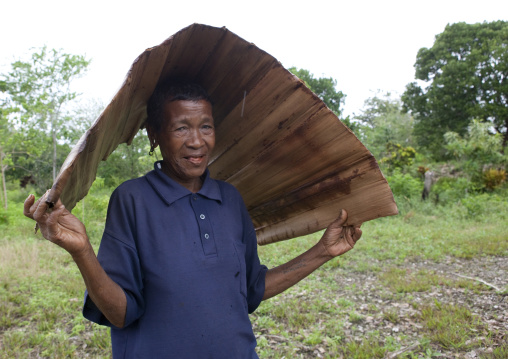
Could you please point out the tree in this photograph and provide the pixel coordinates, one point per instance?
(5, 135)
(127, 161)
(39, 90)
(10, 140)
(324, 88)
(464, 76)
(384, 125)
(376, 107)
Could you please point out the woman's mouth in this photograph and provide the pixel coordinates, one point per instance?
(196, 160)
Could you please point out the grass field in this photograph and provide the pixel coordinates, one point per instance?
(430, 282)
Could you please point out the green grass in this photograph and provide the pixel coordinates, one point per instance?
(366, 349)
(452, 326)
(500, 352)
(41, 294)
(325, 315)
(406, 281)
(40, 304)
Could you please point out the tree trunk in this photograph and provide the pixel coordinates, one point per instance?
(427, 184)
(54, 147)
(4, 186)
(505, 138)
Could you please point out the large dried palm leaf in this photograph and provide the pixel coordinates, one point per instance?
(290, 157)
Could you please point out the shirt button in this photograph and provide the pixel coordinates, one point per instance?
(206, 236)
(194, 197)
(202, 216)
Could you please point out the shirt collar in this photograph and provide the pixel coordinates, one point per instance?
(170, 191)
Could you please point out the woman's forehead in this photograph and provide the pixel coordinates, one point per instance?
(183, 110)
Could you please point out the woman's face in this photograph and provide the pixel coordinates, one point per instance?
(186, 140)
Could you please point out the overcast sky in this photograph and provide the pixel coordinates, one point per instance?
(365, 45)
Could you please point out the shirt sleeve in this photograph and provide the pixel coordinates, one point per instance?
(119, 258)
(256, 272)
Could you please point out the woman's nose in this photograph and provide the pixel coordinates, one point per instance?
(195, 139)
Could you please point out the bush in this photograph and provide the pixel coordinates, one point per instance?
(449, 189)
(493, 178)
(3, 217)
(404, 185)
(477, 149)
(398, 157)
(485, 204)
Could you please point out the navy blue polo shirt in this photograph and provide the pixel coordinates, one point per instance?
(189, 267)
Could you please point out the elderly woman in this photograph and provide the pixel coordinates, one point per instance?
(177, 272)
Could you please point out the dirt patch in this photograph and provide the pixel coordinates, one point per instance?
(378, 309)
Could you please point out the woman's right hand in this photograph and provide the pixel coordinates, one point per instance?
(58, 225)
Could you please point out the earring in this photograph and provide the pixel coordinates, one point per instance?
(152, 149)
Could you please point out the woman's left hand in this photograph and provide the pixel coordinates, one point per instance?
(338, 238)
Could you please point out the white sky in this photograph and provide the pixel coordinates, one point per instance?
(364, 45)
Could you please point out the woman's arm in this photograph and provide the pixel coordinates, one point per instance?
(59, 226)
(337, 240)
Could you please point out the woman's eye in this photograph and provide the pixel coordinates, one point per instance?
(207, 129)
(181, 131)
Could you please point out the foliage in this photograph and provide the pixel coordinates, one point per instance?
(493, 178)
(476, 150)
(398, 156)
(325, 89)
(127, 162)
(382, 121)
(404, 185)
(3, 217)
(477, 144)
(37, 91)
(85, 112)
(354, 126)
(421, 170)
(9, 140)
(450, 189)
(464, 74)
(92, 209)
(484, 204)
(376, 107)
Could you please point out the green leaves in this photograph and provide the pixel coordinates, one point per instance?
(478, 144)
(477, 150)
(324, 88)
(398, 156)
(384, 125)
(464, 75)
(40, 86)
(36, 92)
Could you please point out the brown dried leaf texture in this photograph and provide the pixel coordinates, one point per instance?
(295, 164)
